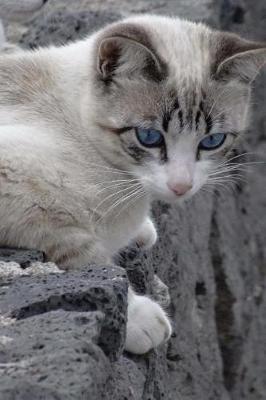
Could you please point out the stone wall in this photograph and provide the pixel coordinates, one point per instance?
(62, 334)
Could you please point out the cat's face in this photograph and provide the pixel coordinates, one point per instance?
(173, 102)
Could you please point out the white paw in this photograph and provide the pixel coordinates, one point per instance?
(147, 235)
(148, 325)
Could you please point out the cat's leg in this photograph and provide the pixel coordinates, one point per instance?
(75, 248)
(148, 325)
(147, 235)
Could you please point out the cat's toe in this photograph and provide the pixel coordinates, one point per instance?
(148, 325)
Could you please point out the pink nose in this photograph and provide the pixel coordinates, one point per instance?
(180, 188)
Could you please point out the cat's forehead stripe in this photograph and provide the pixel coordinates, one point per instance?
(197, 119)
(180, 117)
(169, 113)
(207, 117)
(208, 120)
(190, 114)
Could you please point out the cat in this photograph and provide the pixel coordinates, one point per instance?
(91, 132)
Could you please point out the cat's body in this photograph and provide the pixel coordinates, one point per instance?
(60, 171)
(73, 180)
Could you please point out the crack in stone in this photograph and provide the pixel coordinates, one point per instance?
(229, 341)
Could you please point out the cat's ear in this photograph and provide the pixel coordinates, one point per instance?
(237, 58)
(125, 49)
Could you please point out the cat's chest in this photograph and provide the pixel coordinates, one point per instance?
(119, 231)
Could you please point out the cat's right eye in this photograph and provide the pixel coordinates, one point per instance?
(149, 137)
(212, 142)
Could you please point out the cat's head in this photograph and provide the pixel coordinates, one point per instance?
(172, 99)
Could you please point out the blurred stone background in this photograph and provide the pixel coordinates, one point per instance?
(62, 334)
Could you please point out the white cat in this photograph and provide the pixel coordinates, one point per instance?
(93, 131)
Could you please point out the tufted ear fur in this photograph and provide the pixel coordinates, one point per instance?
(126, 49)
(237, 58)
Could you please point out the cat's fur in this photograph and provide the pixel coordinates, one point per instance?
(74, 180)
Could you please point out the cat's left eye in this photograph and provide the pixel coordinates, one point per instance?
(212, 142)
(149, 137)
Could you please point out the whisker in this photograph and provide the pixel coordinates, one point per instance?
(116, 185)
(215, 102)
(204, 189)
(118, 202)
(227, 180)
(226, 173)
(134, 196)
(218, 186)
(238, 165)
(111, 169)
(112, 195)
(247, 153)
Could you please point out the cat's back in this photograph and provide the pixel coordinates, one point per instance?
(26, 83)
(39, 84)
(36, 114)
(22, 75)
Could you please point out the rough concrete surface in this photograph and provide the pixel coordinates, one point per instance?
(62, 334)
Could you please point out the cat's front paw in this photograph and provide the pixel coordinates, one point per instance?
(147, 235)
(148, 325)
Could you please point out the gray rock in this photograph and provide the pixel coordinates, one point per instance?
(61, 27)
(21, 256)
(16, 11)
(95, 288)
(53, 356)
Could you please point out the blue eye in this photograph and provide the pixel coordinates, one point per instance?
(212, 142)
(149, 137)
